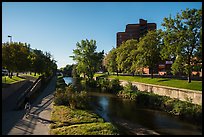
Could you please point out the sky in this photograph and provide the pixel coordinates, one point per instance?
(56, 27)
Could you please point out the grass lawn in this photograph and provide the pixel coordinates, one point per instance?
(32, 74)
(8, 80)
(78, 122)
(194, 85)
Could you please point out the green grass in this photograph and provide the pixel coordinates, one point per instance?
(59, 77)
(8, 80)
(78, 122)
(98, 74)
(32, 75)
(194, 85)
(86, 129)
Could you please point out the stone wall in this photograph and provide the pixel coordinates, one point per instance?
(181, 94)
(6, 92)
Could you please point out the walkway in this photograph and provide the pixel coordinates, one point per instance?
(39, 120)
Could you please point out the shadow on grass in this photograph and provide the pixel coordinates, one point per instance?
(161, 80)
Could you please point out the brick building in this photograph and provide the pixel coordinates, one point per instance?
(135, 31)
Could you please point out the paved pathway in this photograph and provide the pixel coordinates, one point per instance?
(39, 120)
(9, 115)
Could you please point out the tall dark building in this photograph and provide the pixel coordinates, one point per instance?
(135, 31)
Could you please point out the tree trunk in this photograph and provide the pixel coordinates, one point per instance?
(189, 76)
(117, 72)
(151, 73)
(133, 74)
(11, 74)
(17, 74)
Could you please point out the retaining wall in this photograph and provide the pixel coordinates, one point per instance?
(6, 92)
(181, 94)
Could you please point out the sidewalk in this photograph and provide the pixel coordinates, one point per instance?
(39, 120)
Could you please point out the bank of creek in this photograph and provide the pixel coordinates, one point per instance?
(131, 118)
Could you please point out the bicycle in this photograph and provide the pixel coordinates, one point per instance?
(27, 108)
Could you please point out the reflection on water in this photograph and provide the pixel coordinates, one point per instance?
(110, 108)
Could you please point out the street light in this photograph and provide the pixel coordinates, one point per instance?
(10, 38)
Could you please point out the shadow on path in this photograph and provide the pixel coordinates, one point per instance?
(40, 107)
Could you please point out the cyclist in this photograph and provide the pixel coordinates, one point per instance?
(27, 107)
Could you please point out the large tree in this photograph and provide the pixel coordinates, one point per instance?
(15, 56)
(124, 59)
(148, 52)
(88, 60)
(182, 39)
(110, 61)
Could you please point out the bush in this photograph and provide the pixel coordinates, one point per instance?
(114, 85)
(71, 97)
(129, 92)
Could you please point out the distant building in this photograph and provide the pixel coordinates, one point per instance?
(135, 31)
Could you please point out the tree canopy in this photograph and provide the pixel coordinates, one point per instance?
(88, 60)
(182, 40)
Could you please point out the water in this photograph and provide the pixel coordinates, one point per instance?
(114, 109)
(68, 80)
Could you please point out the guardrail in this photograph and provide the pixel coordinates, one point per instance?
(28, 93)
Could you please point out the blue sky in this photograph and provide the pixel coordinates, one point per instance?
(56, 27)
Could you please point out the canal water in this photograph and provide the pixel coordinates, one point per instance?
(126, 112)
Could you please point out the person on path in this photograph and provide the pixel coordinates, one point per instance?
(27, 107)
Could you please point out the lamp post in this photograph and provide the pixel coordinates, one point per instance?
(10, 38)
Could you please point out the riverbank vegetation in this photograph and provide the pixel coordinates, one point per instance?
(71, 114)
(183, 109)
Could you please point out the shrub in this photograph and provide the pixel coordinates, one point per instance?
(114, 85)
(129, 92)
(71, 97)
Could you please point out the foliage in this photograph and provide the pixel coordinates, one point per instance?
(67, 70)
(69, 96)
(88, 61)
(184, 109)
(149, 50)
(124, 59)
(106, 85)
(114, 85)
(15, 56)
(182, 39)
(129, 91)
(19, 57)
(110, 61)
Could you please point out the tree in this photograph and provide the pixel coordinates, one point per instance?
(67, 70)
(124, 59)
(110, 61)
(149, 50)
(182, 39)
(15, 57)
(6, 58)
(88, 60)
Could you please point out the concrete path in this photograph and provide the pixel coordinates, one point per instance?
(39, 120)
(9, 115)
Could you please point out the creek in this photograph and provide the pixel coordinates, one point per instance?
(131, 118)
